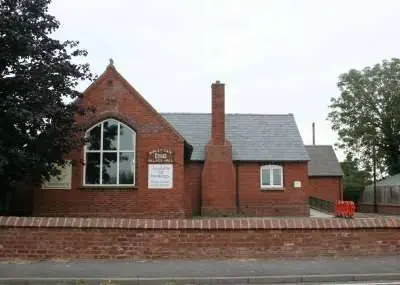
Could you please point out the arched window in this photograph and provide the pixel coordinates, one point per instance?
(110, 154)
(271, 176)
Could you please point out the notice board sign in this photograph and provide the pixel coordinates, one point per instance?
(160, 176)
(62, 181)
(161, 156)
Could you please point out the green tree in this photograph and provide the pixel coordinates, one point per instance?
(367, 113)
(354, 179)
(37, 74)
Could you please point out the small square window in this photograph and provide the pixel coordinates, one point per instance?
(271, 176)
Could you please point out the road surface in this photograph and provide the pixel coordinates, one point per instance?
(206, 272)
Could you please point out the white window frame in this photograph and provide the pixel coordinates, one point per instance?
(118, 151)
(271, 177)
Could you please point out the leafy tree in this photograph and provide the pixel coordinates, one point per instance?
(354, 179)
(37, 74)
(366, 114)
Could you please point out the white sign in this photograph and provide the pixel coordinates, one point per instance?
(297, 184)
(62, 181)
(160, 176)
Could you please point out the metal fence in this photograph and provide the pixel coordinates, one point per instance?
(324, 205)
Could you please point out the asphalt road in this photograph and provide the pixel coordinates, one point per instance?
(180, 268)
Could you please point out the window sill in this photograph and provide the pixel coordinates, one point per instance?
(107, 188)
(273, 189)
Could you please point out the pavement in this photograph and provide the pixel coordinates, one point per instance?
(314, 213)
(177, 272)
(318, 214)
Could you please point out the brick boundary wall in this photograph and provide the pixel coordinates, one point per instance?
(37, 238)
(387, 209)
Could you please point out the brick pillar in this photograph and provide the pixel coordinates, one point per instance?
(218, 181)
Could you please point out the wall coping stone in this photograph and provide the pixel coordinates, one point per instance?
(200, 224)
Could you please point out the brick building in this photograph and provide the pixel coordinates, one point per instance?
(325, 173)
(141, 163)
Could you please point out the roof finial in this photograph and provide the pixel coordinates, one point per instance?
(111, 62)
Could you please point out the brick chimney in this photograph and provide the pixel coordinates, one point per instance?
(218, 113)
(218, 180)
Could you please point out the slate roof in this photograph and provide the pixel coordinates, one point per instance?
(323, 161)
(253, 137)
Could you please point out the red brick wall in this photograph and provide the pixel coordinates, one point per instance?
(218, 195)
(252, 200)
(382, 209)
(74, 238)
(119, 100)
(285, 202)
(325, 188)
(193, 185)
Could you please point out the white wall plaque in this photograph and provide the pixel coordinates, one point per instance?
(62, 181)
(297, 184)
(160, 176)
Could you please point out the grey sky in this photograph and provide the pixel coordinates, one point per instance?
(273, 56)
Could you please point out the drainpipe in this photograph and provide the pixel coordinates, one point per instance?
(374, 169)
(237, 186)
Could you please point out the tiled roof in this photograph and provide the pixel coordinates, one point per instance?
(253, 137)
(323, 161)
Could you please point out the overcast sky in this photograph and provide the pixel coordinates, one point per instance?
(274, 56)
